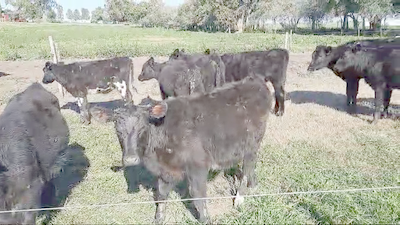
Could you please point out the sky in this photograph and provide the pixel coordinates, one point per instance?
(92, 4)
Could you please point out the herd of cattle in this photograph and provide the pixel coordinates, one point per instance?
(213, 115)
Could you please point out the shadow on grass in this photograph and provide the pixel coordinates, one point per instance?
(73, 170)
(110, 105)
(137, 176)
(365, 106)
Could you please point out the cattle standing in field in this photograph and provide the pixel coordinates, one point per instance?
(33, 133)
(202, 60)
(187, 136)
(78, 77)
(269, 65)
(381, 68)
(181, 77)
(327, 56)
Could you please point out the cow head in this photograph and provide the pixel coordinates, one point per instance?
(136, 123)
(321, 58)
(177, 54)
(49, 76)
(148, 70)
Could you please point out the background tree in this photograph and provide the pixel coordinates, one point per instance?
(85, 14)
(70, 14)
(60, 13)
(51, 16)
(119, 10)
(32, 9)
(98, 14)
(76, 15)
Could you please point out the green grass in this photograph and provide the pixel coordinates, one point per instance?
(30, 41)
(299, 166)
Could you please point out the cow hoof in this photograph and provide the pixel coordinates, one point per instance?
(374, 122)
(159, 219)
(238, 201)
(279, 113)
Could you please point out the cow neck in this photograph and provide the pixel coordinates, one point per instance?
(336, 54)
(159, 66)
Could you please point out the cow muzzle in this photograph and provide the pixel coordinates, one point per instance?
(310, 68)
(130, 161)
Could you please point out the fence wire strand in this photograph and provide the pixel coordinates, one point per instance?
(207, 198)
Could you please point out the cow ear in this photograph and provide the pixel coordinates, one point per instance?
(356, 48)
(48, 64)
(175, 52)
(159, 111)
(151, 61)
(207, 51)
(328, 50)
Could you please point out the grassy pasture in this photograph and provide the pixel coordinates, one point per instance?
(30, 41)
(314, 146)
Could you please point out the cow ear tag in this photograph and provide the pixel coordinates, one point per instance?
(158, 111)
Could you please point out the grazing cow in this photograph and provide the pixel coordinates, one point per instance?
(327, 56)
(202, 60)
(78, 77)
(269, 65)
(33, 133)
(180, 77)
(381, 68)
(187, 136)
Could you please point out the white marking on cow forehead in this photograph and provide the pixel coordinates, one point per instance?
(80, 102)
(121, 87)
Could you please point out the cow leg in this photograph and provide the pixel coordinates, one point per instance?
(248, 178)
(386, 101)
(351, 92)
(280, 99)
(379, 93)
(198, 189)
(84, 108)
(163, 95)
(163, 191)
(30, 200)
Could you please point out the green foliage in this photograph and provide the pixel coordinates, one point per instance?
(51, 16)
(76, 15)
(98, 15)
(60, 13)
(85, 14)
(70, 14)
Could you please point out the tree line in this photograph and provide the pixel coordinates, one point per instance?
(222, 15)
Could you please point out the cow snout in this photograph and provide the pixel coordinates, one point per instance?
(47, 79)
(141, 77)
(131, 161)
(310, 68)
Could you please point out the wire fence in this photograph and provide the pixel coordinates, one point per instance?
(206, 198)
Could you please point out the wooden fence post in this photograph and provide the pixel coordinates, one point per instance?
(286, 40)
(56, 58)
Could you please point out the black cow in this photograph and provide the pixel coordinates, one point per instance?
(327, 56)
(181, 77)
(78, 77)
(33, 133)
(202, 60)
(187, 136)
(270, 65)
(381, 68)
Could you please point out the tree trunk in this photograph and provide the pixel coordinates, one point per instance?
(313, 23)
